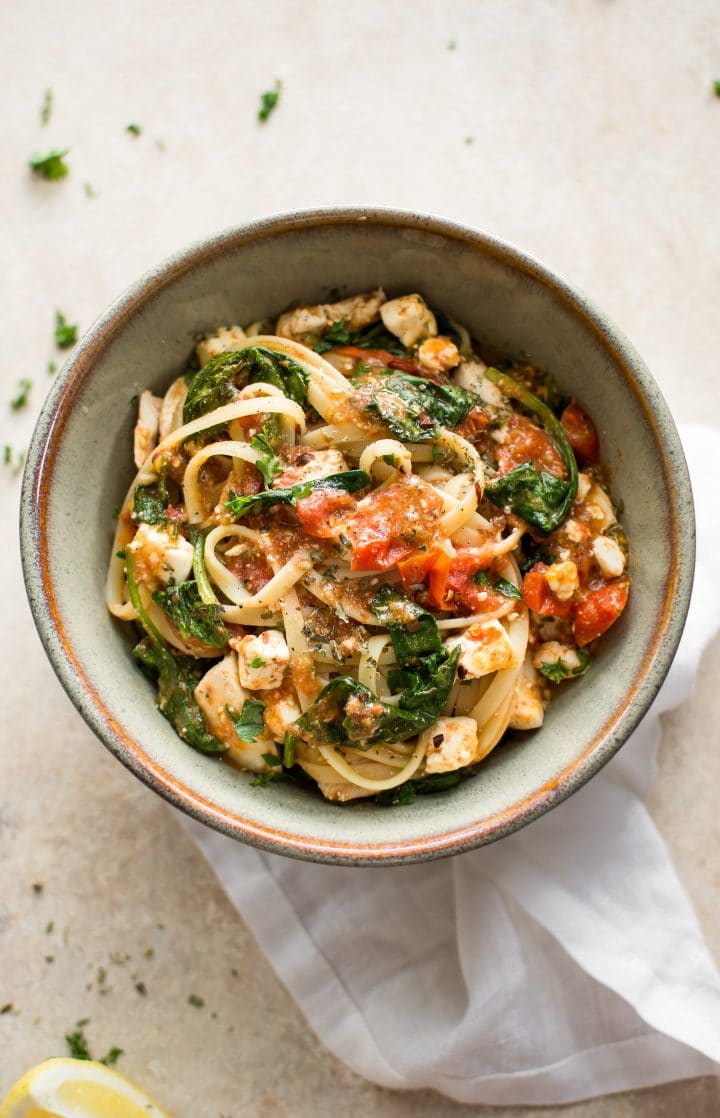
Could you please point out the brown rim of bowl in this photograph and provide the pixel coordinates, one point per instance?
(37, 484)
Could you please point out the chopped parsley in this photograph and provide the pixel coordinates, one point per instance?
(112, 1057)
(716, 87)
(52, 368)
(268, 101)
(249, 723)
(90, 191)
(65, 332)
(288, 758)
(14, 462)
(46, 107)
(559, 670)
(78, 1045)
(196, 1001)
(51, 166)
(274, 771)
(7, 1008)
(23, 395)
(257, 662)
(134, 129)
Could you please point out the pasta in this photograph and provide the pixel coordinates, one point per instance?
(357, 555)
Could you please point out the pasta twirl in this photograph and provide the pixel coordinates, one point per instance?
(357, 555)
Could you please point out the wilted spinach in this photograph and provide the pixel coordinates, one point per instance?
(220, 380)
(191, 616)
(414, 409)
(351, 481)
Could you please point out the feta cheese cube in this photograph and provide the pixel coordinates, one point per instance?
(484, 648)
(562, 578)
(609, 556)
(528, 712)
(262, 660)
(160, 557)
(450, 744)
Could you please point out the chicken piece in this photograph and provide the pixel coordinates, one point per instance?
(160, 557)
(308, 465)
(484, 648)
(224, 340)
(599, 507)
(450, 744)
(585, 483)
(356, 312)
(437, 355)
(576, 531)
(281, 711)
(262, 659)
(172, 406)
(220, 691)
(409, 318)
(146, 429)
(562, 578)
(608, 556)
(552, 652)
(528, 712)
(471, 376)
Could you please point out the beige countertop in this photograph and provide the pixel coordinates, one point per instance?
(594, 145)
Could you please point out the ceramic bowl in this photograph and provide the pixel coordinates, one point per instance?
(79, 466)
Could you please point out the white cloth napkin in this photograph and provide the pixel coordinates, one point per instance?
(560, 963)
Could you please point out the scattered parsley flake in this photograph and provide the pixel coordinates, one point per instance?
(196, 1001)
(90, 191)
(7, 1008)
(51, 166)
(268, 101)
(52, 368)
(49, 927)
(257, 662)
(141, 989)
(21, 400)
(19, 462)
(7, 454)
(112, 1057)
(38, 886)
(716, 87)
(78, 1045)
(65, 332)
(249, 723)
(46, 107)
(134, 129)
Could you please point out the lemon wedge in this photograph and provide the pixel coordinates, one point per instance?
(65, 1088)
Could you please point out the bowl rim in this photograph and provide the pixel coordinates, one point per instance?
(37, 488)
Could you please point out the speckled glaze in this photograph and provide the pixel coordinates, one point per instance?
(79, 466)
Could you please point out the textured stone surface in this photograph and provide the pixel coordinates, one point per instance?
(594, 140)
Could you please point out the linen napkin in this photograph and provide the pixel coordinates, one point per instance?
(560, 963)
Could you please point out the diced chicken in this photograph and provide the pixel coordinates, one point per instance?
(280, 713)
(309, 465)
(484, 648)
(471, 376)
(553, 651)
(528, 712)
(584, 484)
(409, 318)
(160, 557)
(356, 312)
(437, 355)
(219, 692)
(562, 578)
(262, 659)
(172, 405)
(609, 556)
(224, 340)
(450, 744)
(599, 506)
(146, 428)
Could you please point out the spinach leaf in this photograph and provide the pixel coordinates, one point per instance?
(216, 384)
(541, 499)
(426, 785)
(276, 368)
(499, 586)
(250, 722)
(191, 616)
(369, 337)
(558, 671)
(413, 631)
(150, 502)
(414, 409)
(351, 481)
(177, 679)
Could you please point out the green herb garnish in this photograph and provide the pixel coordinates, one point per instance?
(46, 107)
(268, 101)
(78, 1045)
(196, 1001)
(65, 332)
(51, 166)
(558, 671)
(249, 723)
(23, 394)
(134, 129)
(190, 615)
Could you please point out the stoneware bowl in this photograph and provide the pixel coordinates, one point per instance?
(79, 466)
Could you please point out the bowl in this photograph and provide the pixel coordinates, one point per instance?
(79, 466)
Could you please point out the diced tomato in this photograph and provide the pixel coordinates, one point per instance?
(319, 512)
(413, 569)
(539, 596)
(581, 432)
(524, 442)
(383, 357)
(431, 566)
(463, 592)
(475, 422)
(599, 609)
(251, 568)
(438, 580)
(390, 524)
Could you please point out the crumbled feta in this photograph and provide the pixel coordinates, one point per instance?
(552, 651)
(438, 354)
(584, 483)
(528, 712)
(609, 556)
(575, 531)
(484, 647)
(450, 744)
(160, 557)
(562, 578)
(409, 318)
(599, 506)
(224, 340)
(262, 660)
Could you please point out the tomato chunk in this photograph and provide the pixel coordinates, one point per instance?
(431, 566)
(539, 596)
(599, 609)
(466, 593)
(380, 355)
(581, 432)
(391, 524)
(320, 511)
(524, 442)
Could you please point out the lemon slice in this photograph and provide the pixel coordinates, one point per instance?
(65, 1088)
